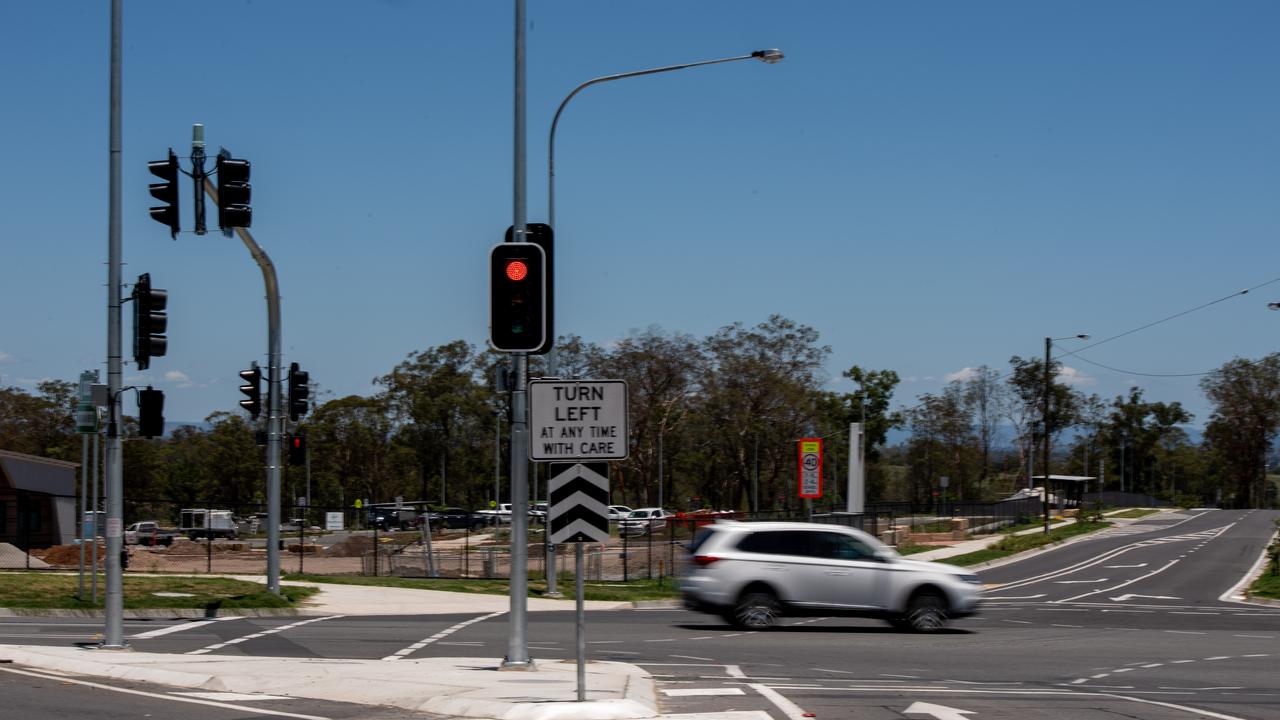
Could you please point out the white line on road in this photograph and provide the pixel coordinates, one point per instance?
(161, 696)
(179, 628)
(405, 652)
(788, 708)
(690, 692)
(272, 631)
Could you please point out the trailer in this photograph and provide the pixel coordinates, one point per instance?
(204, 523)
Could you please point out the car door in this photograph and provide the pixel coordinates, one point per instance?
(851, 577)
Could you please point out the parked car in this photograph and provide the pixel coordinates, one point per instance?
(389, 518)
(643, 521)
(751, 573)
(500, 514)
(455, 517)
(618, 512)
(149, 532)
(538, 513)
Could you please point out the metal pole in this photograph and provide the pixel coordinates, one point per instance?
(84, 505)
(517, 657)
(580, 617)
(275, 381)
(1048, 380)
(97, 518)
(113, 634)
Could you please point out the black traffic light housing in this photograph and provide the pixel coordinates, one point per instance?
(253, 388)
(150, 413)
(542, 235)
(234, 193)
(517, 297)
(166, 192)
(298, 448)
(149, 322)
(298, 391)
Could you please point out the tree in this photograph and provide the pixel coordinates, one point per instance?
(1026, 407)
(42, 424)
(984, 399)
(869, 405)
(1245, 395)
(941, 435)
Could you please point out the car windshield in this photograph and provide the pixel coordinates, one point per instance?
(639, 514)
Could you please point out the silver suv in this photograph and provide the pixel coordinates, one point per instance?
(751, 573)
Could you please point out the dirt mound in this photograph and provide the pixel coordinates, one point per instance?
(68, 554)
(354, 546)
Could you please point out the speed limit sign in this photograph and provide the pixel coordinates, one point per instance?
(810, 467)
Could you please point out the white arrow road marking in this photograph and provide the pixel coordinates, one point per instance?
(1077, 582)
(1130, 596)
(941, 712)
(1125, 566)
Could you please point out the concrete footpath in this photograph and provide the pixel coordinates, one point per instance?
(451, 687)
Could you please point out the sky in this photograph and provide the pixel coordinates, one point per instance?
(932, 186)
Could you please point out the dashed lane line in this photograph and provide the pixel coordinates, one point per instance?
(405, 652)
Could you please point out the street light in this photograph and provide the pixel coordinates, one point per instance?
(769, 56)
(1048, 384)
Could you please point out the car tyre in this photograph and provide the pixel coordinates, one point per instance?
(926, 612)
(755, 610)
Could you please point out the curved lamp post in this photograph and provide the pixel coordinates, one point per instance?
(769, 56)
(1048, 384)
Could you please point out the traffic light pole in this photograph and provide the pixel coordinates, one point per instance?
(113, 630)
(517, 657)
(275, 417)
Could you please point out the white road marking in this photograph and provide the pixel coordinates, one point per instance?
(788, 708)
(1079, 582)
(405, 652)
(163, 696)
(1125, 566)
(1130, 596)
(734, 671)
(1168, 565)
(272, 631)
(691, 657)
(941, 712)
(179, 628)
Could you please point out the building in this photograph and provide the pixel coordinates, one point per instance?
(37, 501)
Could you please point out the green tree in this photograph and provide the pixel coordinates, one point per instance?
(1245, 395)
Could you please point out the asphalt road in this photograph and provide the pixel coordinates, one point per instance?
(1128, 623)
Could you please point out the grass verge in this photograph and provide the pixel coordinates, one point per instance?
(1267, 586)
(1013, 544)
(632, 590)
(45, 591)
(1133, 513)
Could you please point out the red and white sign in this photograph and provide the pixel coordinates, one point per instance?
(809, 467)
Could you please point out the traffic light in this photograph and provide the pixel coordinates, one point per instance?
(298, 448)
(149, 322)
(542, 235)
(517, 302)
(150, 413)
(298, 391)
(253, 388)
(234, 193)
(166, 192)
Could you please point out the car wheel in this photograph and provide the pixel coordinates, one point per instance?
(755, 610)
(926, 612)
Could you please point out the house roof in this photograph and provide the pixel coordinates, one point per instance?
(37, 474)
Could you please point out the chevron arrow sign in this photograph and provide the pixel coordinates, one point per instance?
(578, 502)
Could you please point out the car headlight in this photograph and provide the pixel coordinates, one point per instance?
(970, 579)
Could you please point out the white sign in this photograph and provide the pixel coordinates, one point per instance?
(576, 420)
(333, 521)
(578, 502)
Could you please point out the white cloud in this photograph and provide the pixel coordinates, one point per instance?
(1072, 376)
(6, 357)
(176, 376)
(963, 375)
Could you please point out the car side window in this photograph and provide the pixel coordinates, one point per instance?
(839, 546)
(778, 542)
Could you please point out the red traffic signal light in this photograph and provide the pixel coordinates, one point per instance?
(517, 297)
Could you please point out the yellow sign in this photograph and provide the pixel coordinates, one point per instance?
(810, 446)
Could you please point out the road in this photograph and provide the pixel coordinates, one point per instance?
(1127, 623)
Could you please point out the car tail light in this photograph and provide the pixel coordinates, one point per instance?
(704, 560)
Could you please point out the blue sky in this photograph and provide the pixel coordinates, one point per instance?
(930, 185)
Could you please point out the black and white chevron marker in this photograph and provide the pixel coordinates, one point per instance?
(578, 502)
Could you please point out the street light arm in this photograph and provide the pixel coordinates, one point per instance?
(768, 56)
